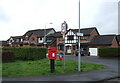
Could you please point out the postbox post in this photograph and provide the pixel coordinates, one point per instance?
(52, 67)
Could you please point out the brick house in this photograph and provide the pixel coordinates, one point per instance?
(4, 44)
(36, 37)
(90, 39)
(104, 41)
(118, 38)
(71, 39)
(58, 42)
(15, 41)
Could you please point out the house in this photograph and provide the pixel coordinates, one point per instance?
(90, 41)
(104, 41)
(15, 41)
(71, 39)
(118, 38)
(36, 37)
(58, 41)
(3, 43)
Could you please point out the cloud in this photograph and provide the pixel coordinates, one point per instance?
(19, 16)
(103, 15)
(3, 17)
(34, 14)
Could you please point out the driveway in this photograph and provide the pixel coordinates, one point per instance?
(96, 75)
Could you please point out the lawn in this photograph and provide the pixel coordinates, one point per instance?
(42, 67)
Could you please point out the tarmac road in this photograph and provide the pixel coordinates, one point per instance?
(95, 75)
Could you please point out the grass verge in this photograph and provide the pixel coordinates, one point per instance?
(42, 67)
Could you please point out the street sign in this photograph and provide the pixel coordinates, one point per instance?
(64, 27)
(61, 56)
(79, 34)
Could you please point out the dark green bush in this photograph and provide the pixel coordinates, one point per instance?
(109, 52)
(8, 56)
(27, 53)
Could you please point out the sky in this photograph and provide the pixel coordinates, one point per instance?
(19, 16)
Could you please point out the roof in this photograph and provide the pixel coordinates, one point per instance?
(56, 34)
(85, 31)
(15, 37)
(102, 40)
(37, 32)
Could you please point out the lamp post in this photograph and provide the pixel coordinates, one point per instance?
(79, 34)
(45, 34)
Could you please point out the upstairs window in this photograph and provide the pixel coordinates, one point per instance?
(70, 37)
(26, 37)
(83, 38)
(32, 38)
(17, 40)
(40, 38)
(60, 39)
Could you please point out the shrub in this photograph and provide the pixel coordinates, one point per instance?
(28, 53)
(8, 56)
(109, 52)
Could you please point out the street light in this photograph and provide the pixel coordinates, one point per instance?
(45, 34)
(79, 55)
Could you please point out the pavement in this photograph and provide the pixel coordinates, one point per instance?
(110, 72)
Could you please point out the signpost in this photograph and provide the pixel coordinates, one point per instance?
(64, 27)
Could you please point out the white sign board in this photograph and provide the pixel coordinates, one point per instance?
(93, 51)
(79, 34)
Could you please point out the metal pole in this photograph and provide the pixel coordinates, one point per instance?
(79, 56)
(64, 53)
(52, 65)
(45, 36)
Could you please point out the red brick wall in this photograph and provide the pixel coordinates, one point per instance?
(35, 38)
(115, 43)
(93, 34)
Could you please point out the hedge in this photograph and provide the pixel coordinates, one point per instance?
(7, 56)
(27, 53)
(109, 52)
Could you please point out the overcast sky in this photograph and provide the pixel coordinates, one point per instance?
(19, 16)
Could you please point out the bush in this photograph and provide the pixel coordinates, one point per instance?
(109, 52)
(27, 53)
(8, 56)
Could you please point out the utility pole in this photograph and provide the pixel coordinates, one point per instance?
(45, 43)
(79, 55)
(64, 27)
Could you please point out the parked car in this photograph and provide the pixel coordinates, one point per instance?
(83, 52)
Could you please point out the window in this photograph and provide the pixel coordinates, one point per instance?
(83, 38)
(60, 38)
(32, 38)
(26, 37)
(32, 44)
(11, 41)
(26, 43)
(40, 38)
(17, 40)
(60, 47)
(70, 37)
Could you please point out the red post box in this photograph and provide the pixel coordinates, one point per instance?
(52, 53)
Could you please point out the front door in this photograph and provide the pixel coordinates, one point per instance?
(68, 50)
